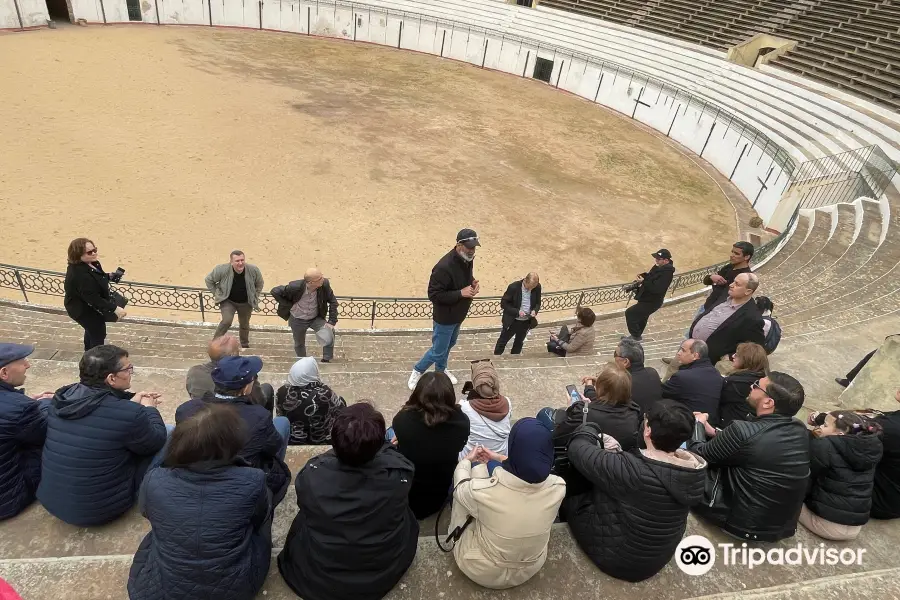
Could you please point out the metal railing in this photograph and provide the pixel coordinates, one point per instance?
(843, 177)
(359, 308)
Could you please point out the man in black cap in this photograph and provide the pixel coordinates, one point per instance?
(450, 289)
(650, 293)
(267, 440)
(23, 428)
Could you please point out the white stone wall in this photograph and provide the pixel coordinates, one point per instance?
(33, 13)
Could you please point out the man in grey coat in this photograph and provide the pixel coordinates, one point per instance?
(235, 287)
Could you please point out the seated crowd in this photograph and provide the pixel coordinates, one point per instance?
(623, 464)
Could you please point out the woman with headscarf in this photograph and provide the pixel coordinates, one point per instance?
(309, 404)
(489, 412)
(509, 512)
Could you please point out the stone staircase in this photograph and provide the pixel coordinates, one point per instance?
(836, 291)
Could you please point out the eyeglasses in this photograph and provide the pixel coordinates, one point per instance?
(129, 369)
(91, 252)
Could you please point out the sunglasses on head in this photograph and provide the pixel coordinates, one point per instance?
(755, 386)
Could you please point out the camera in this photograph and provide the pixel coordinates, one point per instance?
(632, 287)
(116, 277)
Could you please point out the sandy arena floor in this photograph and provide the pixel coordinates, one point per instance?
(171, 146)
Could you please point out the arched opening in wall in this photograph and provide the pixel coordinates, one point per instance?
(60, 10)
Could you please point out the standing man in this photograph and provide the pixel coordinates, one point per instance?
(235, 288)
(450, 289)
(309, 303)
(651, 291)
(738, 262)
(520, 304)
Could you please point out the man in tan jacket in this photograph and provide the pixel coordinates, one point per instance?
(505, 508)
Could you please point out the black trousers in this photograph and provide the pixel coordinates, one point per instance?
(637, 315)
(517, 328)
(851, 375)
(94, 329)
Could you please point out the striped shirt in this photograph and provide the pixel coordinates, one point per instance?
(526, 304)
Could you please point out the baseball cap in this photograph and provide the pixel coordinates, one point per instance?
(468, 238)
(12, 352)
(662, 253)
(234, 372)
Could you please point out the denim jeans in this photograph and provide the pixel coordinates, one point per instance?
(443, 338)
(283, 427)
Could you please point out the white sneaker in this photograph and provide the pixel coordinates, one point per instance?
(414, 378)
(453, 379)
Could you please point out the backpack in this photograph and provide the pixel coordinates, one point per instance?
(771, 341)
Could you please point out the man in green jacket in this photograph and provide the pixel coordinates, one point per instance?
(235, 287)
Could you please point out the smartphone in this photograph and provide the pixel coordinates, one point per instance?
(572, 393)
(683, 446)
(389, 434)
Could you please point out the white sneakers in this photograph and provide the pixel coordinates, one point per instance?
(415, 376)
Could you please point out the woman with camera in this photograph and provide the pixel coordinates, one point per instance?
(88, 298)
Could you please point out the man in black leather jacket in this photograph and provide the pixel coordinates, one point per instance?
(758, 469)
(650, 294)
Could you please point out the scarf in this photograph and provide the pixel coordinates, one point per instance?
(530, 455)
(304, 372)
(494, 409)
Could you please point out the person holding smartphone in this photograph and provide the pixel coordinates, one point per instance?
(88, 300)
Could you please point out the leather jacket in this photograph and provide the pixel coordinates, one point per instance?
(757, 478)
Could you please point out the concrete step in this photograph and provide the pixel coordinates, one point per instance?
(798, 237)
(566, 573)
(819, 233)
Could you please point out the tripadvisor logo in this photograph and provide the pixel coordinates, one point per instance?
(696, 555)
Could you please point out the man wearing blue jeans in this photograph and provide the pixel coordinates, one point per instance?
(451, 288)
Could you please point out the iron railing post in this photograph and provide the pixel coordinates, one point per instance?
(373, 315)
(202, 313)
(21, 284)
(675, 285)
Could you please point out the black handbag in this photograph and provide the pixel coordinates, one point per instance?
(119, 301)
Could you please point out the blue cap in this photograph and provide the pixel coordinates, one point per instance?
(234, 372)
(13, 352)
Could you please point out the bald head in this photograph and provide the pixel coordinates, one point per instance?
(313, 278)
(226, 345)
(742, 287)
(531, 280)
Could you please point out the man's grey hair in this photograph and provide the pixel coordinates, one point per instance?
(700, 348)
(632, 350)
(235, 253)
(752, 281)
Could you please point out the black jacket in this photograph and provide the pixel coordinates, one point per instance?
(646, 388)
(698, 386)
(745, 325)
(23, 428)
(434, 451)
(288, 295)
(448, 277)
(87, 289)
(630, 524)
(96, 439)
(656, 283)
(511, 301)
(733, 405)
(354, 536)
(719, 293)
(209, 536)
(842, 473)
(263, 440)
(758, 472)
(886, 493)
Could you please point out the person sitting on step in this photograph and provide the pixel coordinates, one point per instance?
(506, 514)
(205, 493)
(610, 408)
(844, 451)
(696, 384)
(759, 469)
(266, 439)
(646, 389)
(431, 429)
(23, 429)
(886, 490)
(354, 535)
(631, 522)
(308, 403)
(579, 341)
(750, 364)
(101, 441)
(199, 377)
(488, 410)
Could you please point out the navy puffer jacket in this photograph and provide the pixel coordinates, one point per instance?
(842, 474)
(23, 428)
(264, 443)
(98, 444)
(211, 536)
